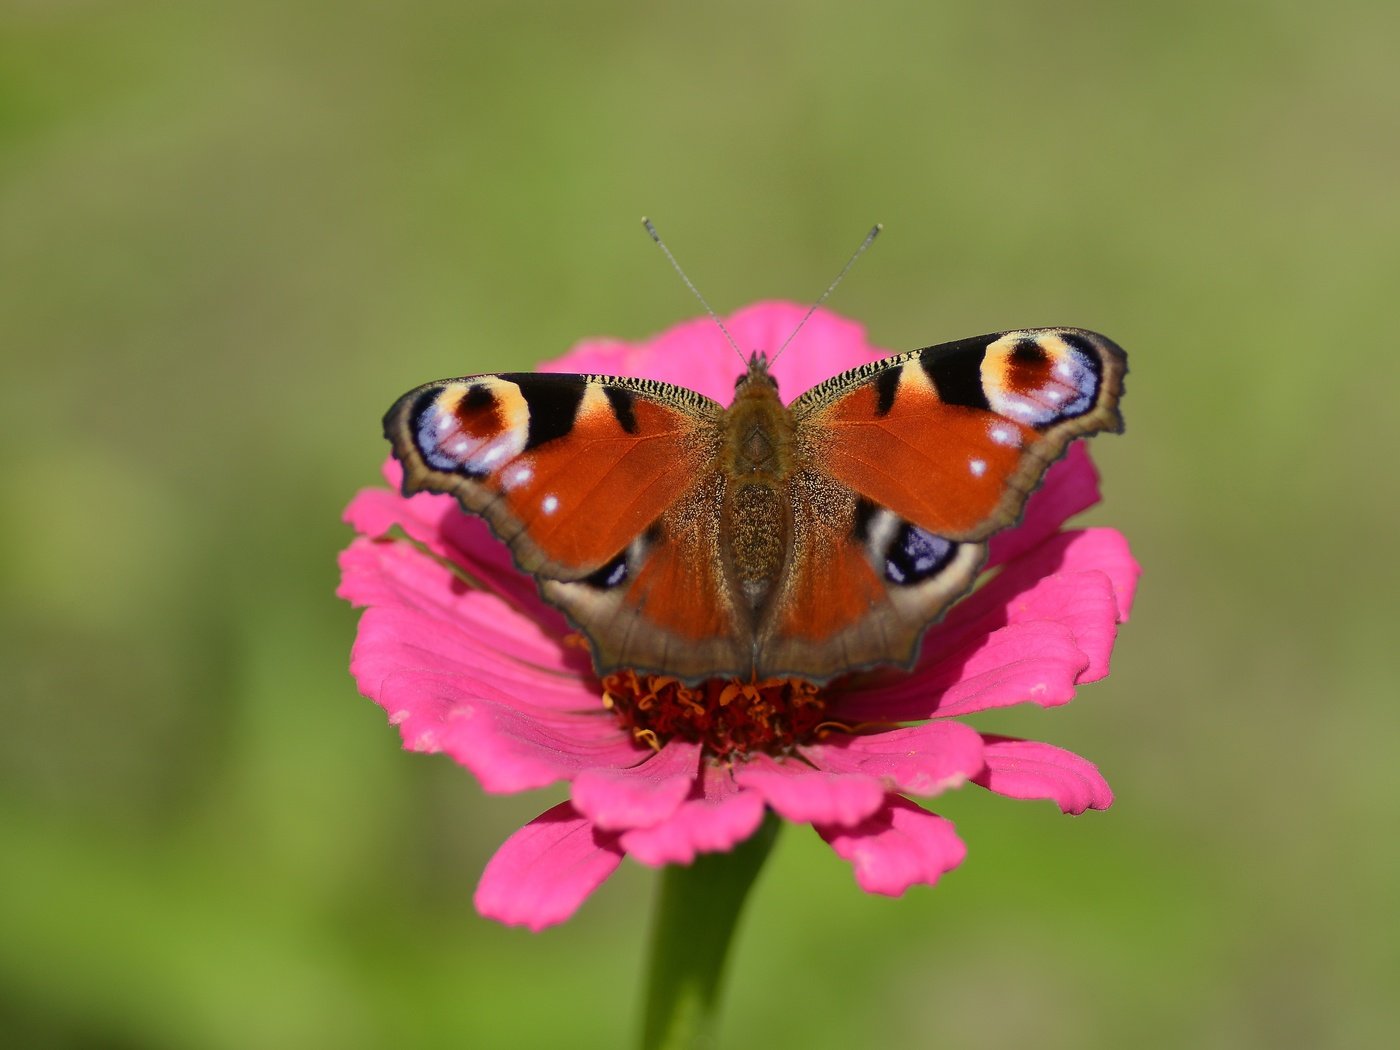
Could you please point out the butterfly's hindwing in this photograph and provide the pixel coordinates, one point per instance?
(862, 585)
(665, 605)
(905, 554)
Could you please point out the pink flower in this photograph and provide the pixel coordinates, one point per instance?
(456, 645)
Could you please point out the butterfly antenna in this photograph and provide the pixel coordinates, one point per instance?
(869, 239)
(695, 291)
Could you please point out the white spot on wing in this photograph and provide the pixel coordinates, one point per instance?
(493, 455)
(517, 474)
(1017, 407)
(1004, 435)
(978, 467)
(549, 504)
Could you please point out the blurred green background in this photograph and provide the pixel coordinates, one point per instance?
(232, 233)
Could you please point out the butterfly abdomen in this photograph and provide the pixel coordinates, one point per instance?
(758, 529)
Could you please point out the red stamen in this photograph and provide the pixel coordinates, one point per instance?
(729, 718)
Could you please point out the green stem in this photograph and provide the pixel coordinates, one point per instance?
(696, 913)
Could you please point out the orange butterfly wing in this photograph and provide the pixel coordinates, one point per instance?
(955, 437)
(568, 469)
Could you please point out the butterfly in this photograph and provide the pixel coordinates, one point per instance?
(760, 540)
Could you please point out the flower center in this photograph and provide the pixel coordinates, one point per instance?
(728, 717)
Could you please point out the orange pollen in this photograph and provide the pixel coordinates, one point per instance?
(727, 717)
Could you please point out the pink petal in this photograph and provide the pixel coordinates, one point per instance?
(422, 616)
(1084, 550)
(718, 817)
(804, 795)
(1080, 598)
(921, 760)
(900, 846)
(827, 345)
(509, 751)
(1076, 552)
(390, 640)
(1070, 487)
(508, 746)
(1037, 662)
(1084, 602)
(439, 524)
(695, 354)
(641, 795)
(543, 872)
(1027, 769)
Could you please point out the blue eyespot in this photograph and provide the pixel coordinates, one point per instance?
(915, 555)
(611, 575)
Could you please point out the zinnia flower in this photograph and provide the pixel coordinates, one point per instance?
(457, 646)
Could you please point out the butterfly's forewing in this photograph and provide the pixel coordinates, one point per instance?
(955, 437)
(568, 469)
(911, 464)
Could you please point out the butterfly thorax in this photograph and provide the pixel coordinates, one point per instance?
(758, 462)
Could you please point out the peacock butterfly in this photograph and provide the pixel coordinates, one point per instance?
(761, 540)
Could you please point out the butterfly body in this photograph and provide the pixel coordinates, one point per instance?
(804, 540)
(757, 467)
